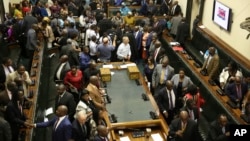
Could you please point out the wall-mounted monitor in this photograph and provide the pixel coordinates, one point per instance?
(222, 15)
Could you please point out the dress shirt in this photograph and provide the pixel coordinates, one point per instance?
(156, 53)
(123, 51)
(8, 69)
(209, 59)
(191, 114)
(173, 99)
(92, 48)
(59, 71)
(59, 121)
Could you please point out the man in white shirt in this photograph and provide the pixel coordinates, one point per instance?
(124, 51)
(5, 69)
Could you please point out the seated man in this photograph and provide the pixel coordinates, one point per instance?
(237, 90)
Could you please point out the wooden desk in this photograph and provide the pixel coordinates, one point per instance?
(30, 113)
(119, 99)
(234, 113)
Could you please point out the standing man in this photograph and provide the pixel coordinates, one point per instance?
(79, 131)
(67, 99)
(124, 51)
(23, 76)
(102, 133)
(104, 49)
(166, 100)
(62, 128)
(62, 68)
(31, 44)
(184, 128)
(161, 73)
(5, 69)
(5, 130)
(219, 129)
(211, 64)
(176, 8)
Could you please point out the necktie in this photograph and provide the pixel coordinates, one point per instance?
(9, 69)
(238, 88)
(59, 98)
(191, 114)
(20, 107)
(223, 130)
(162, 76)
(183, 127)
(55, 125)
(170, 100)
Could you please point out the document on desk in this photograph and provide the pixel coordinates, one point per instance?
(156, 137)
(108, 66)
(127, 65)
(126, 138)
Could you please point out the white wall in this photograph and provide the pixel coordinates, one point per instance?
(236, 38)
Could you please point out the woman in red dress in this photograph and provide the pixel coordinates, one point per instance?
(74, 81)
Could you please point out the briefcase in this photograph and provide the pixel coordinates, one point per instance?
(133, 72)
(105, 74)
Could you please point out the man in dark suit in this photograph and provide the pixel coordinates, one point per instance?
(62, 68)
(62, 128)
(211, 64)
(237, 90)
(5, 69)
(219, 129)
(14, 113)
(28, 21)
(65, 98)
(183, 128)
(166, 100)
(79, 131)
(192, 110)
(176, 8)
(5, 130)
(138, 37)
(182, 32)
(159, 52)
(102, 133)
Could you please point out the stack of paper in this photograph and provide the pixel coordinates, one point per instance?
(156, 137)
(126, 138)
(108, 66)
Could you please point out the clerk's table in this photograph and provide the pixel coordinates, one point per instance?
(125, 86)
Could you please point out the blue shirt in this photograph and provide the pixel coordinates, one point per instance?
(84, 60)
(105, 51)
(124, 11)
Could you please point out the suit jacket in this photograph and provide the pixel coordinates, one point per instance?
(159, 55)
(182, 32)
(215, 133)
(177, 10)
(68, 100)
(163, 99)
(213, 67)
(231, 91)
(4, 98)
(138, 39)
(190, 133)
(28, 21)
(15, 117)
(2, 74)
(5, 130)
(62, 132)
(65, 69)
(94, 93)
(157, 74)
(185, 83)
(79, 134)
(31, 43)
(13, 75)
(98, 138)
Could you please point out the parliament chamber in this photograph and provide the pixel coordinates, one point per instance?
(128, 113)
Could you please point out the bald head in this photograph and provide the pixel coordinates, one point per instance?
(102, 130)
(61, 110)
(81, 117)
(105, 40)
(184, 115)
(157, 44)
(93, 79)
(169, 85)
(64, 58)
(165, 61)
(211, 50)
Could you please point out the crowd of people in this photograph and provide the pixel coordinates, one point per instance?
(84, 36)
